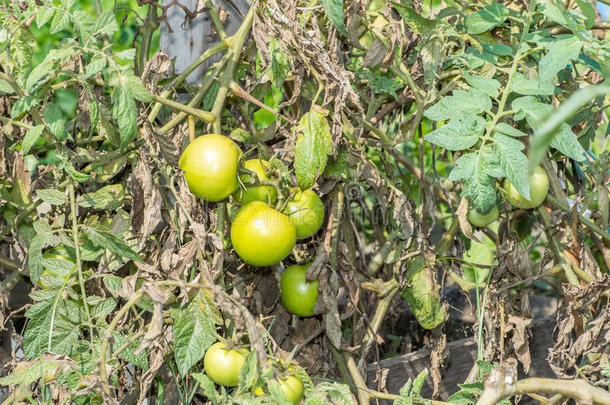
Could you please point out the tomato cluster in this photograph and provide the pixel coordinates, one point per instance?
(261, 233)
(539, 187)
(223, 364)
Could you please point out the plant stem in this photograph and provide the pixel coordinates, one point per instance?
(237, 42)
(108, 337)
(205, 116)
(583, 220)
(150, 26)
(200, 94)
(361, 389)
(496, 389)
(556, 247)
(79, 264)
(216, 20)
(208, 53)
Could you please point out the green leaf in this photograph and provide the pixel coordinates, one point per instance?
(478, 175)
(588, 11)
(35, 257)
(548, 130)
(565, 141)
(194, 333)
(109, 197)
(486, 19)
(532, 107)
(419, 381)
(55, 121)
(490, 86)
(75, 174)
(416, 23)
(26, 374)
(461, 133)
(52, 196)
(473, 101)
(498, 49)
(207, 385)
(5, 87)
(60, 21)
(381, 84)
(124, 111)
(47, 66)
(139, 360)
(280, 63)
(30, 138)
(513, 161)
(422, 298)
(106, 24)
(96, 65)
(313, 145)
(84, 25)
(560, 16)
(43, 15)
(508, 130)
(532, 87)
(22, 106)
(560, 52)
(334, 12)
(462, 398)
(137, 89)
(103, 238)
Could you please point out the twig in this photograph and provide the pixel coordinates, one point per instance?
(205, 116)
(583, 220)
(500, 386)
(79, 264)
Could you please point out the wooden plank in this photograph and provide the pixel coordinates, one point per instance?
(394, 372)
(190, 38)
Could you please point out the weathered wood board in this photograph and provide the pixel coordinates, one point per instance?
(190, 38)
(394, 372)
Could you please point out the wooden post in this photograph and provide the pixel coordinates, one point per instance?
(190, 38)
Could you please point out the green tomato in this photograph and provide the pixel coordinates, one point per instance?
(261, 235)
(539, 187)
(292, 387)
(210, 166)
(306, 212)
(223, 365)
(478, 219)
(260, 193)
(297, 295)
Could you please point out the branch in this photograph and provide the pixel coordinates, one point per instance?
(500, 386)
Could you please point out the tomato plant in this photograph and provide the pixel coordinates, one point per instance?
(209, 163)
(248, 194)
(223, 364)
(539, 187)
(297, 294)
(378, 129)
(261, 235)
(306, 212)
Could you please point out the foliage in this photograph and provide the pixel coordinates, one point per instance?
(401, 116)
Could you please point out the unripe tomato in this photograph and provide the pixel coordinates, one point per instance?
(306, 212)
(261, 235)
(478, 219)
(260, 193)
(297, 295)
(223, 365)
(539, 187)
(292, 386)
(210, 166)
